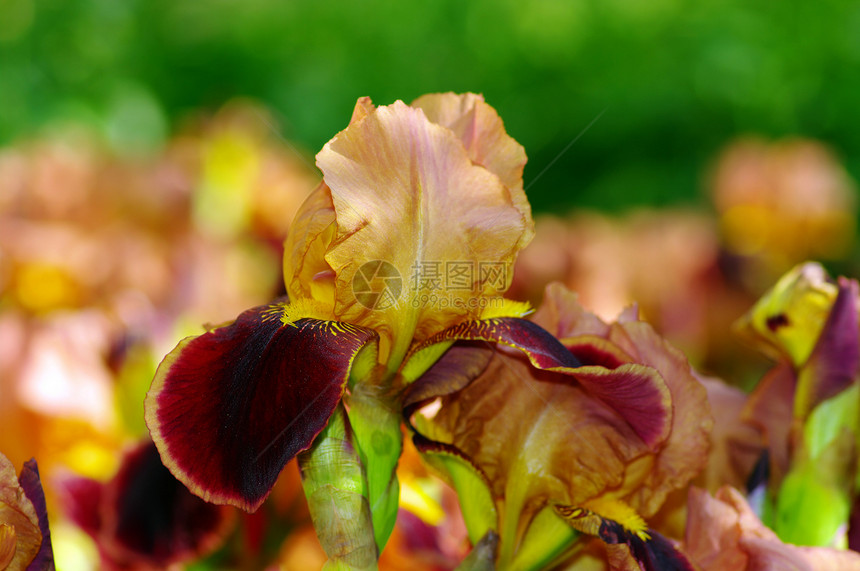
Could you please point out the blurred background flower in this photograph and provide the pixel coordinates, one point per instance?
(153, 153)
(107, 260)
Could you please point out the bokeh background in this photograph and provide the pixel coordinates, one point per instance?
(152, 153)
(674, 79)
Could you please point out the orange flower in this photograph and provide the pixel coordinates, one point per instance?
(410, 238)
(418, 188)
(602, 444)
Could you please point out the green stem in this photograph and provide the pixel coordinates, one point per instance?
(510, 515)
(375, 417)
(334, 481)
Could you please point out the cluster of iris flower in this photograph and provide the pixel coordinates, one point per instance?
(570, 442)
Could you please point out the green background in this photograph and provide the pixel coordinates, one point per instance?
(675, 80)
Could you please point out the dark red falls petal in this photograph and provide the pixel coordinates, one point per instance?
(32, 486)
(156, 516)
(146, 516)
(230, 408)
(82, 500)
(655, 554)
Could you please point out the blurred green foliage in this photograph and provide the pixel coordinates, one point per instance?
(677, 78)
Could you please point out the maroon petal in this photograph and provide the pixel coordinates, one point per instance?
(82, 503)
(835, 360)
(32, 486)
(155, 516)
(230, 408)
(651, 550)
(637, 392)
(653, 554)
(145, 516)
(458, 367)
(594, 350)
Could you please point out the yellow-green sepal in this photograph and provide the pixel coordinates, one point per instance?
(472, 487)
(547, 539)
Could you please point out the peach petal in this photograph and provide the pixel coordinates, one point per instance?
(406, 191)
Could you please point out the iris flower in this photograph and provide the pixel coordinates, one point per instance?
(404, 249)
(411, 234)
(25, 538)
(807, 405)
(601, 445)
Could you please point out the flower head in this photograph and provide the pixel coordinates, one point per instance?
(421, 189)
(807, 405)
(411, 234)
(601, 444)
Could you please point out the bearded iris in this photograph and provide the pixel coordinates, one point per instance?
(548, 453)
(404, 188)
(415, 200)
(808, 405)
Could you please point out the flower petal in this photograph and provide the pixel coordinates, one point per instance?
(483, 134)
(18, 511)
(788, 319)
(561, 314)
(769, 408)
(637, 393)
(572, 446)
(459, 366)
(146, 516)
(651, 550)
(835, 360)
(82, 503)
(627, 427)
(406, 192)
(8, 541)
(724, 533)
(229, 408)
(686, 449)
(543, 350)
(32, 486)
(306, 273)
(736, 445)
